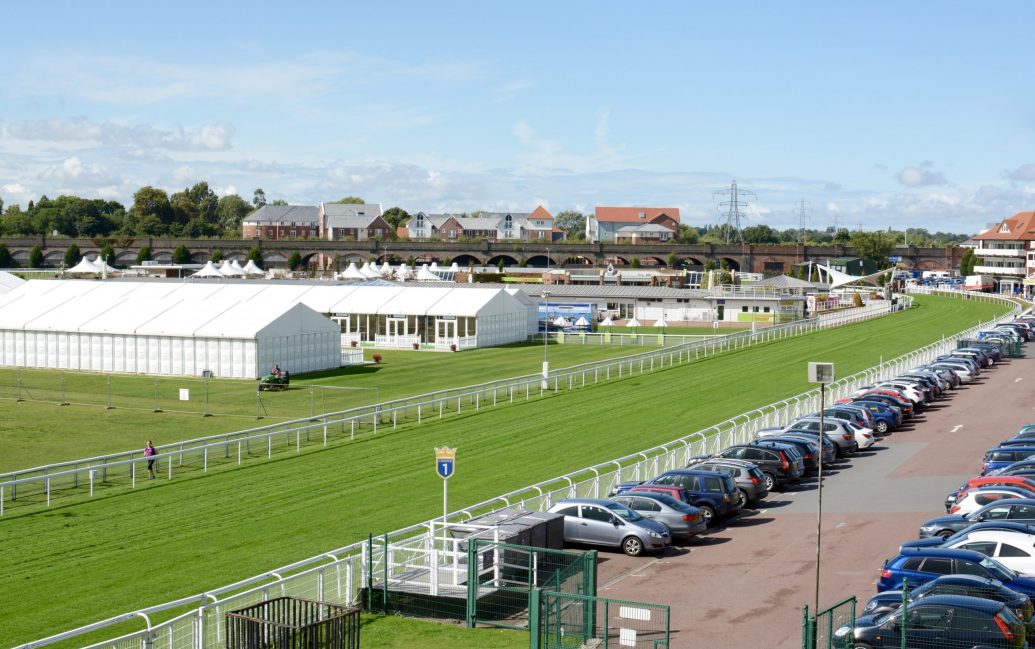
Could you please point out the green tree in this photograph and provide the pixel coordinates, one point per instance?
(72, 256)
(259, 198)
(6, 261)
(760, 234)
(151, 206)
(967, 262)
(278, 201)
(181, 255)
(500, 265)
(709, 265)
(108, 254)
(144, 254)
(635, 262)
(36, 257)
(216, 256)
(572, 222)
(255, 254)
(842, 237)
(396, 216)
(671, 259)
(294, 260)
(350, 200)
(875, 246)
(723, 277)
(687, 234)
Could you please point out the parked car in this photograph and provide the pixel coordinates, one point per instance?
(921, 565)
(749, 479)
(988, 481)
(829, 448)
(1016, 509)
(938, 621)
(1015, 550)
(978, 497)
(887, 395)
(715, 494)
(969, 585)
(885, 417)
(683, 521)
(1003, 456)
(1004, 525)
(836, 430)
(596, 521)
(856, 416)
(779, 463)
(807, 448)
(963, 372)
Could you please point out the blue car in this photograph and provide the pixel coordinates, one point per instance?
(1002, 456)
(921, 565)
(969, 585)
(885, 416)
(714, 493)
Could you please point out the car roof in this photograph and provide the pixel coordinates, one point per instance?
(1012, 502)
(690, 472)
(1011, 447)
(1018, 536)
(727, 461)
(960, 601)
(584, 501)
(948, 553)
(976, 581)
(664, 499)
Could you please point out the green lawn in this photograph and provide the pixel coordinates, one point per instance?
(125, 550)
(37, 430)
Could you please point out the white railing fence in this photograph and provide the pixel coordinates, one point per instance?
(339, 575)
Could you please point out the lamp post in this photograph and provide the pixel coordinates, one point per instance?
(546, 338)
(821, 373)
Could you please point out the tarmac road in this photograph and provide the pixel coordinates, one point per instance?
(744, 584)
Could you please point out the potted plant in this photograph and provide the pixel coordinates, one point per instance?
(452, 347)
(377, 358)
(355, 343)
(416, 346)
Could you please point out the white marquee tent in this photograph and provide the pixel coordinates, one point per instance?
(9, 281)
(161, 328)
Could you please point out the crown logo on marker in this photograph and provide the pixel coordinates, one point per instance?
(445, 453)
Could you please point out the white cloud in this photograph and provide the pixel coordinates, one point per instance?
(921, 176)
(208, 137)
(1023, 173)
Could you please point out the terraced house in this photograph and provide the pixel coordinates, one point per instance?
(493, 226)
(331, 221)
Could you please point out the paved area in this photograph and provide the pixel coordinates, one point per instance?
(743, 585)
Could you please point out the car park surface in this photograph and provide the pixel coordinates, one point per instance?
(872, 502)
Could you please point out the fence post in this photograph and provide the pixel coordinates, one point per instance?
(206, 414)
(64, 401)
(312, 401)
(157, 409)
(109, 406)
(535, 620)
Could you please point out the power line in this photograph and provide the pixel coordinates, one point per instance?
(734, 205)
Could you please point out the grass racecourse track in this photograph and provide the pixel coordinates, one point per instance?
(70, 565)
(36, 431)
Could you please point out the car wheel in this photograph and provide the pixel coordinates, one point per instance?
(744, 500)
(632, 546)
(944, 534)
(708, 514)
(882, 427)
(770, 481)
(861, 645)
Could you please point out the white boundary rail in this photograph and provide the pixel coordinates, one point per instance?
(30, 487)
(339, 575)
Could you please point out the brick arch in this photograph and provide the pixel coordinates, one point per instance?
(731, 263)
(508, 260)
(464, 260)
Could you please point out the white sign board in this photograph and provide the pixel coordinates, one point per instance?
(821, 372)
(184, 394)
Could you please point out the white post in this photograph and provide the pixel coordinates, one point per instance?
(92, 473)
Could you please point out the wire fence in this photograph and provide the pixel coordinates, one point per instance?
(83, 478)
(339, 575)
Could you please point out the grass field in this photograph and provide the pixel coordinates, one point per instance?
(171, 539)
(36, 432)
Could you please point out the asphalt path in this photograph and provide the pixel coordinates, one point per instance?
(744, 584)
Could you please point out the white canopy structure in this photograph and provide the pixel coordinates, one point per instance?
(660, 322)
(582, 322)
(102, 266)
(560, 321)
(209, 270)
(368, 272)
(236, 265)
(9, 281)
(228, 270)
(425, 274)
(434, 266)
(837, 278)
(386, 268)
(633, 323)
(607, 322)
(251, 270)
(455, 267)
(352, 272)
(175, 329)
(403, 273)
(84, 267)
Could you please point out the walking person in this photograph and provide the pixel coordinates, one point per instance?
(149, 453)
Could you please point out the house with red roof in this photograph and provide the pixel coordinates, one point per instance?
(632, 224)
(1005, 250)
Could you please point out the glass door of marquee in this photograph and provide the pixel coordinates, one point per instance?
(445, 330)
(396, 327)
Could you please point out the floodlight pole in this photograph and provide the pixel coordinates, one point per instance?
(819, 499)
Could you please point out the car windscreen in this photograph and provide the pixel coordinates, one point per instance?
(624, 511)
(1001, 572)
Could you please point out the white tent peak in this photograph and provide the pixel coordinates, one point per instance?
(837, 278)
(208, 270)
(633, 323)
(229, 271)
(352, 272)
(251, 269)
(85, 266)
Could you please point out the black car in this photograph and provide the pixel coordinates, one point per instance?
(748, 477)
(779, 463)
(938, 621)
(806, 448)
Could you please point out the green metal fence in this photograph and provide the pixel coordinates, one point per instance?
(819, 632)
(500, 585)
(570, 620)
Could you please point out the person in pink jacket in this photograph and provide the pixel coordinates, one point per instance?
(149, 452)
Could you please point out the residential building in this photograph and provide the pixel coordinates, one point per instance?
(358, 222)
(1005, 250)
(282, 222)
(632, 224)
(493, 226)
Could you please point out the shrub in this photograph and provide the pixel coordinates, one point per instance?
(36, 257)
(216, 256)
(355, 343)
(452, 347)
(377, 358)
(857, 299)
(144, 254)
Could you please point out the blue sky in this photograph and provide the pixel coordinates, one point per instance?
(879, 114)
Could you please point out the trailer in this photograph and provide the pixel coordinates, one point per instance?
(979, 283)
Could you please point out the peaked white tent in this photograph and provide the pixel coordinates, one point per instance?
(837, 278)
(352, 272)
(386, 268)
(560, 321)
(208, 270)
(251, 270)
(236, 265)
(582, 322)
(102, 266)
(403, 273)
(633, 323)
(368, 272)
(434, 266)
(229, 271)
(660, 322)
(84, 267)
(425, 274)
(455, 267)
(607, 322)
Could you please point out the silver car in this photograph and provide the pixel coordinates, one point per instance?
(683, 521)
(836, 430)
(595, 521)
